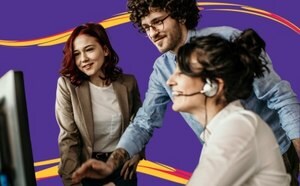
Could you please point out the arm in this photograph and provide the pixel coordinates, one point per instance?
(148, 117)
(69, 136)
(280, 97)
(130, 166)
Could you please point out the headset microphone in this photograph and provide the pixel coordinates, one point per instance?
(181, 94)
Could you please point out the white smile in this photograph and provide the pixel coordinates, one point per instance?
(176, 93)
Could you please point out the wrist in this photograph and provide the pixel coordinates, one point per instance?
(117, 158)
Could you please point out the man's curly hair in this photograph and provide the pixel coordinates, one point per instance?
(178, 9)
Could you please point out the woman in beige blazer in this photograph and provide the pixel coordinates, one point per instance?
(95, 102)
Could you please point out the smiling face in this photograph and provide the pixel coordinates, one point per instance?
(89, 55)
(182, 85)
(172, 34)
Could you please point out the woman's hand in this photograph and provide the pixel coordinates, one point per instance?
(92, 168)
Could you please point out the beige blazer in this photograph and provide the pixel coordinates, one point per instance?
(74, 116)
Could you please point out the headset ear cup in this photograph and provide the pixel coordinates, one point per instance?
(210, 88)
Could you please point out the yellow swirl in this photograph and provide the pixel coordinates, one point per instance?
(124, 18)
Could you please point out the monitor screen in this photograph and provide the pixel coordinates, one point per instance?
(16, 161)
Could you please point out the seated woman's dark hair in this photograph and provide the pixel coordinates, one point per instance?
(236, 62)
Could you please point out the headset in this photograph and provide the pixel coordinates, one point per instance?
(210, 88)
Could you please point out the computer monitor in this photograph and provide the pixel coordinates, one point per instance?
(16, 160)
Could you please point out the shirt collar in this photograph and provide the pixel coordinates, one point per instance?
(171, 55)
(217, 119)
(191, 33)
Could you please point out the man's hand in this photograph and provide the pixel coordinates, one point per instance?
(129, 168)
(92, 168)
(96, 169)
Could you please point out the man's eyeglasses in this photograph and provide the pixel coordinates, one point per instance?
(157, 25)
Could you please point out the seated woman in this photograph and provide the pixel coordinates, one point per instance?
(213, 75)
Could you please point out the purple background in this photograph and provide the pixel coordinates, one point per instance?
(174, 144)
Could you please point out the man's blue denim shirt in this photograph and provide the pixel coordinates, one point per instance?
(272, 99)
